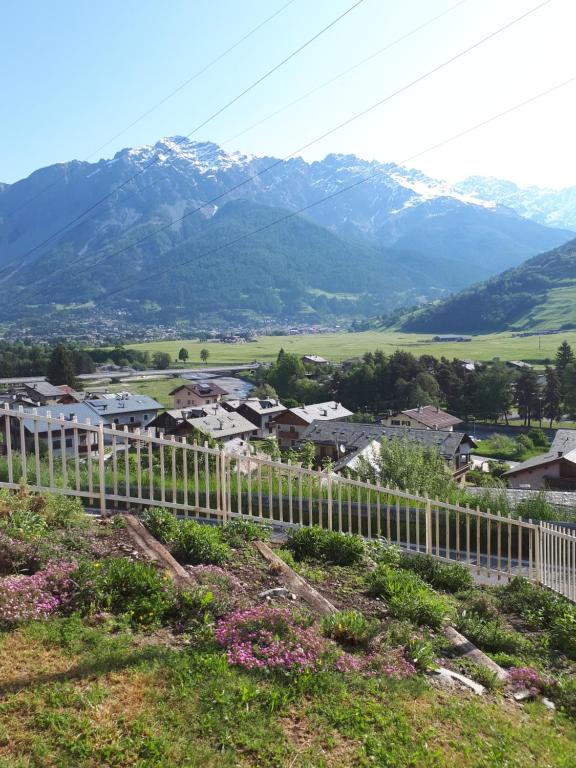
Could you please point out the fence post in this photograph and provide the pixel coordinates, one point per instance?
(101, 468)
(537, 543)
(223, 485)
(428, 521)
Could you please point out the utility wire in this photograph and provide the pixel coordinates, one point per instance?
(162, 101)
(201, 125)
(345, 189)
(205, 153)
(300, 149)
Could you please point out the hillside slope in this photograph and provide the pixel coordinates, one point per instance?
(397, 239)
(539, 294)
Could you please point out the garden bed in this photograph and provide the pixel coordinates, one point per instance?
(125, 666)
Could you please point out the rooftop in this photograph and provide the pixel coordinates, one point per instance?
(432, 417)
(44, 388)
(110, 404)
(353, 436)
(221, 424)
(321, 411)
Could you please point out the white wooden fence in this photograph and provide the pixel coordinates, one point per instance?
(111, 468)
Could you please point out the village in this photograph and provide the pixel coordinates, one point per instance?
(221, 410)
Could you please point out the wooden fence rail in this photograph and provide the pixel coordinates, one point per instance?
(117, 468)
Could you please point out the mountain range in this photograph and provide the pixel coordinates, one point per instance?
(539, 294)
(398, 238)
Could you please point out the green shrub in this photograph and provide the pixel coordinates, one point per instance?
(64, 512)
(536, 508)
(542, 609)
(120, 586)
(486, 677)
(161, 523)
(306, 543)
(564, 694)
(448, 577)
(382, 552)
(419, 650)
(286, 556)
(316, 543)
(490, 635)
(483, 605)
(342, 549)
(349, 627)
(507, 660)
(238, 532)
(24, 524)
(408, 596)
(197, 543)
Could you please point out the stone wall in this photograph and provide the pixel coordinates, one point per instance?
(564, 499)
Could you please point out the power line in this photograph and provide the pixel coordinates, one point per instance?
(201, 125)
(306, 95)
(162, 101)
(347, 188)
(300, 149)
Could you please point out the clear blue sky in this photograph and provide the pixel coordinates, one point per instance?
(75, 72)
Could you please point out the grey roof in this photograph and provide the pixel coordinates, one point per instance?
(110, 405)
(355, 437)
(314, 359)
(82, 412)
(44, 388)
(322, 411)
(564, 440)
(262, 405)
(541, 461)
(223, 424)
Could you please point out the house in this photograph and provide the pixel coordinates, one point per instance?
(222, 426)
(554, 470)
(452, 337)
(125, 409)
(260, 411)
(43, 392)
(314, 360)
(343, 442)
(197, 393)
(69, 395)
(291, 423)
(167, 421)
(423, 417)
(53, 433)
(519, 365)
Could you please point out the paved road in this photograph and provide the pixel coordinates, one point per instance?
(166, 372)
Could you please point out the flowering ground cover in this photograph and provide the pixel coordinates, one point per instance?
(105, 661)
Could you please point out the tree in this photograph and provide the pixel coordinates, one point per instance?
(60, 367)
(527, 393)
(409, 466)
(552, 395)
(564, 356)
(264, 392)
(183, 355)
(493, 395)
(568, 388)
(204, 355)
(307, 454)
(161, 360)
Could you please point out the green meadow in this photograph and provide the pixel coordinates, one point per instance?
(341, 346)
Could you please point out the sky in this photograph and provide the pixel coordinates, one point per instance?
(76, 73)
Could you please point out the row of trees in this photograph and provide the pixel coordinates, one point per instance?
(377, 383)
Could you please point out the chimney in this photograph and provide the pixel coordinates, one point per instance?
(560, 454)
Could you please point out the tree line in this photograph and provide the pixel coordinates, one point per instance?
(378, 383)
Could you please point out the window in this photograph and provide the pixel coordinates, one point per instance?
(145, 417)
(69, 442)
(395, 423)
(56, 444)
(131, 419)
(116, 421)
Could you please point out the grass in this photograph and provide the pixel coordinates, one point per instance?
(340, 346)
(159, 389)
(77, 696)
